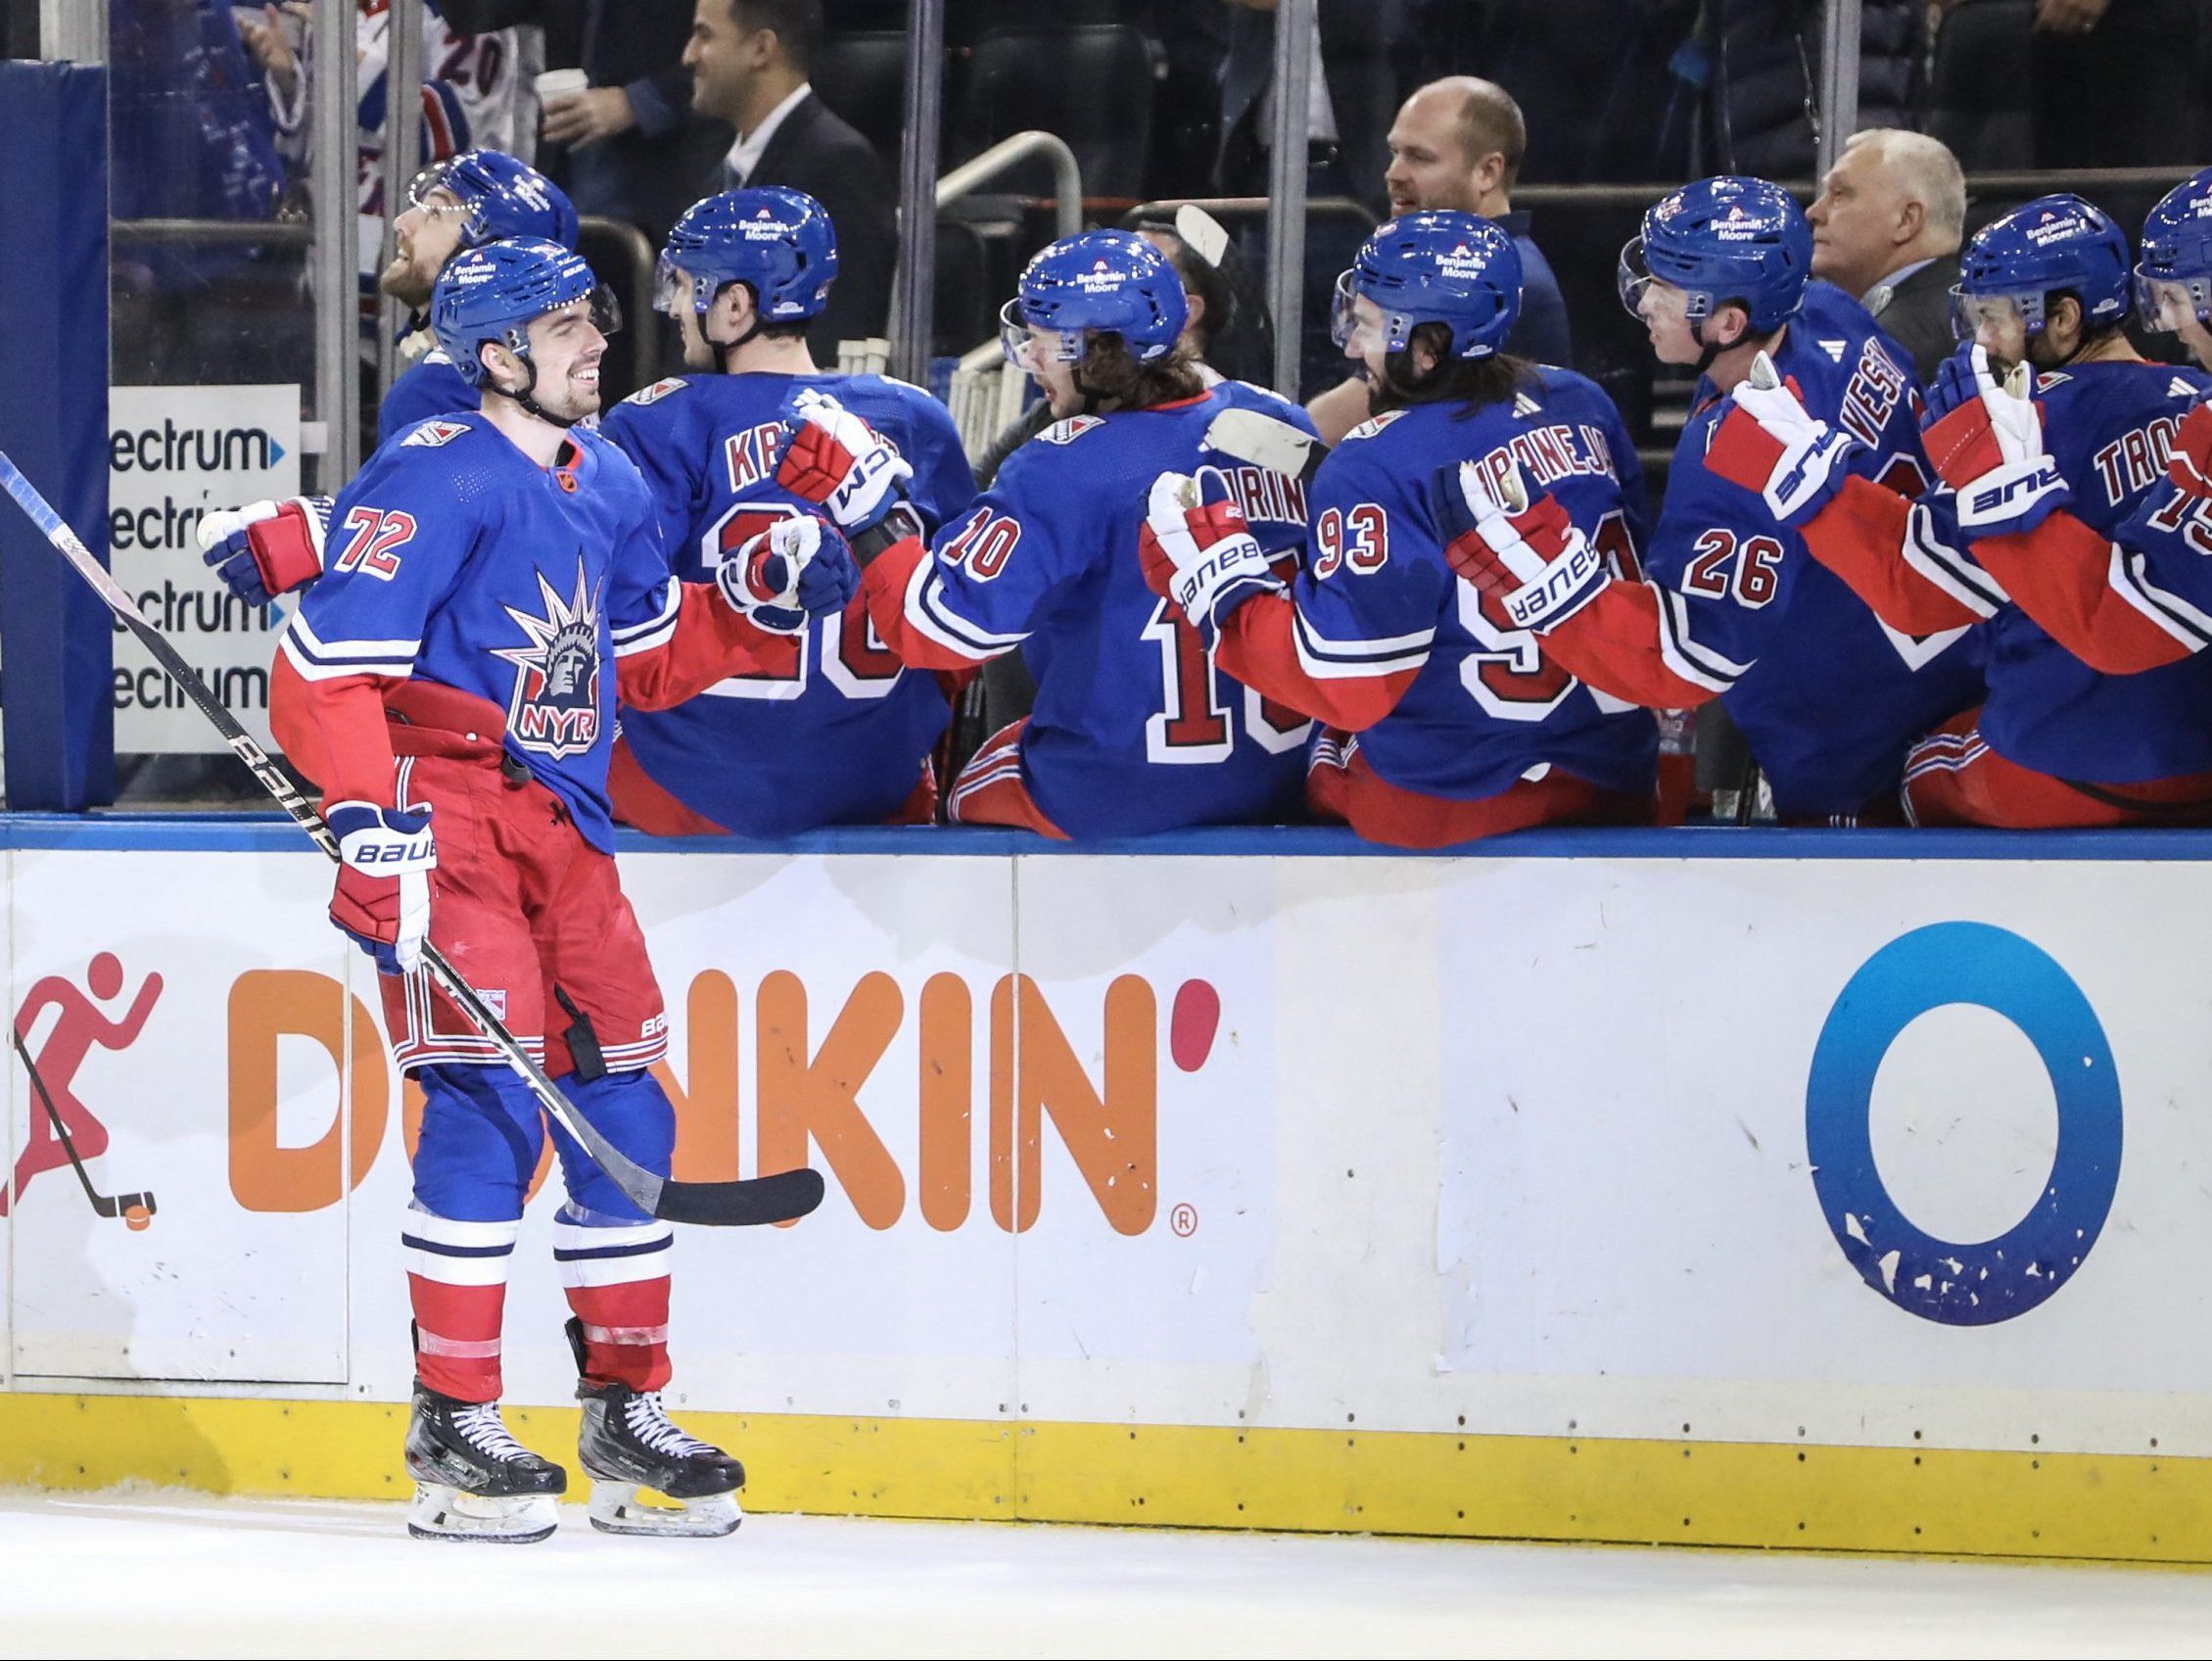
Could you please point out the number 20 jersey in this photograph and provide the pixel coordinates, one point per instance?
(841, 741)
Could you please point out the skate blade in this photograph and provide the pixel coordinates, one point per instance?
(440, 1512)
(625, 1508)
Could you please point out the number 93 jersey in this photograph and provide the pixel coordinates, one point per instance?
(1377, 599)
(839, 740)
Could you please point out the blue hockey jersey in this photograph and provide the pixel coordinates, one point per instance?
(840, 741)
(428, 387)
(2108, 427)
(1826, 694)
(1377, 602)
(454, 557)
(1135, 729)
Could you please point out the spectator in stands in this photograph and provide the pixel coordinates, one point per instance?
(1458, 144)
(635, 148)
(749, 60)
(1886, 228)
(1764, 61)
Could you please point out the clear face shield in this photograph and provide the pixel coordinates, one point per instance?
(1028, 347)
(1356, 324)
(429, 193)
(675, 288)
(2167, 304)
(2000, 323)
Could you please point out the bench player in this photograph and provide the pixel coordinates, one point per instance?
(1827, 697)
(451, 685)
(1443, 721)
(2052, 436)
(844, 737)
(1135, 729)
(270, 547)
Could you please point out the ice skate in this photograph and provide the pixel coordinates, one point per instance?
(630, 1447)
(473, 1480)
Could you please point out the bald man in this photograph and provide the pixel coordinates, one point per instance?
(1457, 143)
(1886, 228)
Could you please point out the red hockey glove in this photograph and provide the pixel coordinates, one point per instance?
(1528, 553)
(834, 459)
(1990, 450)
(383, 894)
(2190, 463)
(1768, 442)
(269, 548)
(1198, 551)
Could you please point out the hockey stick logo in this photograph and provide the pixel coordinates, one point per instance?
(67, 1131)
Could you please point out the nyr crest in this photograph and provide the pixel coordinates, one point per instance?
(554, 707)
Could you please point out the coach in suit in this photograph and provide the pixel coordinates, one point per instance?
(1886, 228)
(749, 60)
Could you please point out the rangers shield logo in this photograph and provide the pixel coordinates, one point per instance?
(554, 708)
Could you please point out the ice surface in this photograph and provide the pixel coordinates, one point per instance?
(166, 1574)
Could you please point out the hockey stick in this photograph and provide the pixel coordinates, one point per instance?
(120, 1204)
(780, 1198)
(1267, 440)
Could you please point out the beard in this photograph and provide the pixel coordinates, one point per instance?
(403, 283)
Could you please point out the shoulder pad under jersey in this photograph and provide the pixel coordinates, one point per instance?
(1374, 424)
(429, 435)
(659, 389)
(1071, 429)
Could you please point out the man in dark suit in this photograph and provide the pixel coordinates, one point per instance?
(631, 146)
(1886, 228)
(749, 60)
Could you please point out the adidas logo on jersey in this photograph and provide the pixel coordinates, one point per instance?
(1071, 429)
(2179, 388)
(1525, 406)
(1835, 349)
(431, 434)
(659, 389)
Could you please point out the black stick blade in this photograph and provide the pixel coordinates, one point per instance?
(781, 1198)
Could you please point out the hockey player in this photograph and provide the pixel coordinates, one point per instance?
(450, 684)
(1827, 697)
(1134, 727)
(844, 737)
(1443, 721)
(272, 547)
(2040, 490)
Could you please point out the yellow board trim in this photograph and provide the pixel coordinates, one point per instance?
(1932, 1502)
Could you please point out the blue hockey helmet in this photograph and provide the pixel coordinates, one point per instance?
(2174, 277)
(495, 292)
(2053, 245)
(1723, 241)
(1447, 267)
(499, 198)
(1113, 281)
(779, 243)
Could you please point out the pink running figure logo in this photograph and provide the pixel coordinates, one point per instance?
(63, 1129)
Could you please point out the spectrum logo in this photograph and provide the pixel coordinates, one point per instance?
(808, 1076)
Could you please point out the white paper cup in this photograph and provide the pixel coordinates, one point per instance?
(560, 83)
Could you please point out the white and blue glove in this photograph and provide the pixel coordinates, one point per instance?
(1768, 442)
(266, 548)
(1197, 552)
(794, 570)
(383, 894)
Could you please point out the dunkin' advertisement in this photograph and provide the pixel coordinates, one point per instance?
(1852, 1152)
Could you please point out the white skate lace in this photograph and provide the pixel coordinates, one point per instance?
(487, 1434)
(650, 1424)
